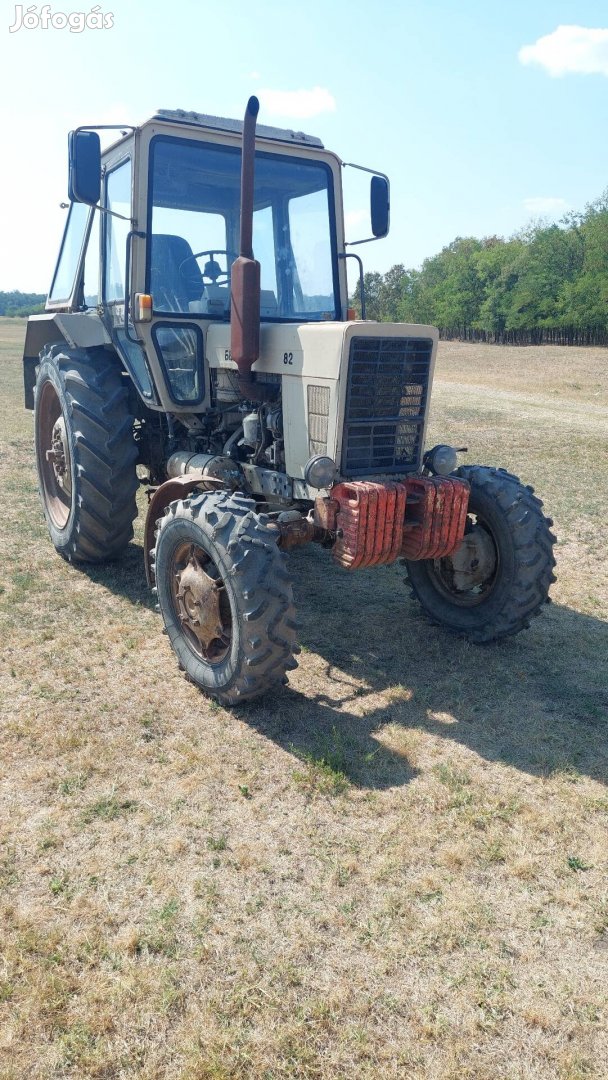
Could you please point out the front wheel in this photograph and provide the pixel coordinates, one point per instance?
(224, 595)
(500, 575)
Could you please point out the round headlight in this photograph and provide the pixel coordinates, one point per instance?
(320, 471)
(441, 459)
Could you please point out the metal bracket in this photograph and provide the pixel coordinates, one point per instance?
(268, 482)
(130, 235)
(352, 255)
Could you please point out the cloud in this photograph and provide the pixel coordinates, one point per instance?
(299, 104)
(545, 204)
(569, 49)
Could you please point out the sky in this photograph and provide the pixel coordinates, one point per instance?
(484, 114)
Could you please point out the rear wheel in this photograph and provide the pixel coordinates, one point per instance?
(85, 453)
(225, 596)
(500, 576)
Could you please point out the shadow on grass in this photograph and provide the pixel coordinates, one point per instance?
(537, 702)
(319, 734)
(124, 577)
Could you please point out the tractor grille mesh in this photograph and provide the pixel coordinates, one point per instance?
(318, 418)
(386, 400)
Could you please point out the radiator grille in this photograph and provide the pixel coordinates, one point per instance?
(318, 418)
(386, 400)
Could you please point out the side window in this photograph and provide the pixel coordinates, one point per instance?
(91, 265)
(118, 199)
(180, 351)
(67, 264)
(263, 248)
(311, 246)
(312, 253)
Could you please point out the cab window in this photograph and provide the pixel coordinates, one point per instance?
(65, 274)
(118, 199)
(193, 230)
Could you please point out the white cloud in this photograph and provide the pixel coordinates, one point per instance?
(299, 104)
(545, 204)
(569, 49)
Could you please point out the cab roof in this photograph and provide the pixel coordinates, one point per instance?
(235, 127)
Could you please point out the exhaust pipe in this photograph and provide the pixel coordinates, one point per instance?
(245, 271)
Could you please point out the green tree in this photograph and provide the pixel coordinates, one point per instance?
(548, 258)
(21, 303)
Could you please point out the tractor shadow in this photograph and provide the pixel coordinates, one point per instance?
(124, 577)
(537, 702)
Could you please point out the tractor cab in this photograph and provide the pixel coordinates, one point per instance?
(153, 232)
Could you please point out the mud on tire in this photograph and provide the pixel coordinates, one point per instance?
(215, 545)
(512, 515)
(81, 417)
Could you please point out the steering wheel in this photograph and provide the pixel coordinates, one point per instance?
(212, 270)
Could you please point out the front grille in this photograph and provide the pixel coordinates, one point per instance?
(318, 418)
(386, 400)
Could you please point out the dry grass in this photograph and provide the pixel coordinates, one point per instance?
(394, 868)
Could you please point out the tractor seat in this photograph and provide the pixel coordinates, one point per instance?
(173, 285)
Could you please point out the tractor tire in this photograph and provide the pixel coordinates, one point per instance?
(225, 596)
(85, 453)
(519, 555)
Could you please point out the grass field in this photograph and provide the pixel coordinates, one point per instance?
(393, 868)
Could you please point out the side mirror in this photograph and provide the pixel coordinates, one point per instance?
(84, 178)
(379, 206)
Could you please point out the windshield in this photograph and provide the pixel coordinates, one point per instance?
(194, 231)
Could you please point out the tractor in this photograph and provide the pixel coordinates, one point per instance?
(197, 338)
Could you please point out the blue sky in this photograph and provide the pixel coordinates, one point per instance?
(475, 140)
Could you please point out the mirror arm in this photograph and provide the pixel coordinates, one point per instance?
(123, 128)
(102, 210)
(114, 213)
(353, 243)
(363, 168)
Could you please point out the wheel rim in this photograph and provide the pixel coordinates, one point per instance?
(481, 554)
(54, 458)
(201, 603)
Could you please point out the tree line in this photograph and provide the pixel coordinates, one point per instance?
(17, 303)
(547, 283)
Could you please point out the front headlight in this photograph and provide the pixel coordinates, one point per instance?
(320, 471)
(441, 460)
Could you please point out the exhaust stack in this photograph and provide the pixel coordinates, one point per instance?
(245, 271)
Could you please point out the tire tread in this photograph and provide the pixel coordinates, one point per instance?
(104, 451)
(265, 614)
(533, 556)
